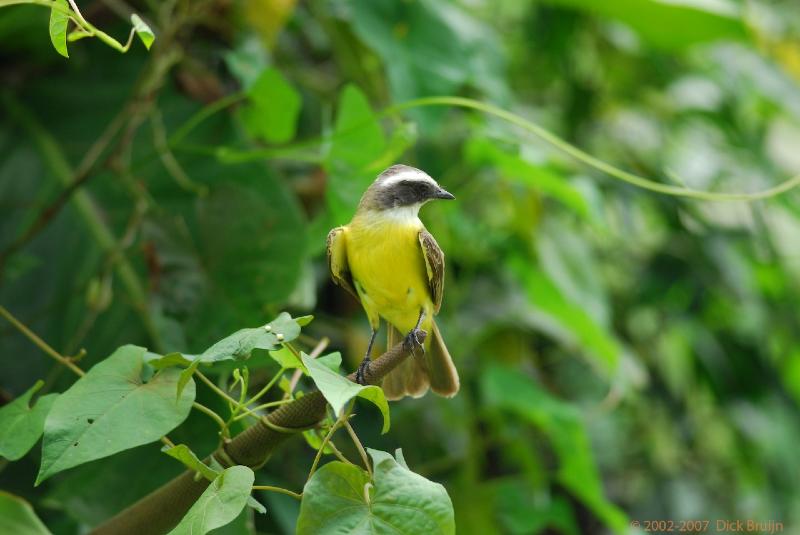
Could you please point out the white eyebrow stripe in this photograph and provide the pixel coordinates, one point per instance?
(409, 174)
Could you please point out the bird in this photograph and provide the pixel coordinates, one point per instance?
(387, 259)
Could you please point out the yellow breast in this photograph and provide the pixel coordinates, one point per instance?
(388, 269)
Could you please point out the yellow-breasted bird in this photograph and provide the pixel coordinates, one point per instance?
(388, 261)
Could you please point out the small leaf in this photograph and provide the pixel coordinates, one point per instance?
(255, 504)
(22, 425)
(142, 30)
(286, 359)
(340, 498)
(240, 344)
(184, 454)
(339, 390)
(18, 517)
(274, 108)
(302, 321)
(220, 504)
(110, 410)
(59, 20)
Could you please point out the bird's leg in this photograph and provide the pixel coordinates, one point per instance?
(412, 338)
(364, 366)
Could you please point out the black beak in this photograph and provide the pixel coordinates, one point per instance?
(443, 194)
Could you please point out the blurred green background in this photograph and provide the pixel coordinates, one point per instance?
(624, 355)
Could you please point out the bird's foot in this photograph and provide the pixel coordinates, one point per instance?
(416, 340)
(361, 372)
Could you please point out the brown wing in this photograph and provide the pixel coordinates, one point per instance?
(337, 260)
(434, 264)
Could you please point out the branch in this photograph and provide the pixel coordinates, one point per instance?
(161, 510)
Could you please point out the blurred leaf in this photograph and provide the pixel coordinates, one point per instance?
(142, 30)
(185, 455)
(21, 425)
(339, 390)
(515, 168)
(17, 517)
(110, 410)
(332, 360)
(220, 504)
(522, 512)
(59, 20)
(268, 17)
(273, 109)
(657, 20)
(340, 498)
(572, 323)
(358, 141)
(507, 389)
(429, 48)
(254, 258)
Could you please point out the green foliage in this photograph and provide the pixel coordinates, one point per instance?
(563, 425)
(110, 410)
(59, 19)
(185, 455)
(339, 390)
(343, 498)
(656, 20)
(623, 341)
(142, 30)
(21, 425)
(275, 105)
(17, 517)
(219, 504)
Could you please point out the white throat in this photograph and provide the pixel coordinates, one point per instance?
(405, 215)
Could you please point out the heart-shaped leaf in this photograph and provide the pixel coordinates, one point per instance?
(220, 504)
(21, 425)
(340, 498)
(111, 409)
(17, 517)
(184, 454)
(339, 390)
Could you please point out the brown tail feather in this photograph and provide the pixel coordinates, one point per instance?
(416, 374)
(442, 372)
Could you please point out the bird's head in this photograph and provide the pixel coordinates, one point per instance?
(402, 189)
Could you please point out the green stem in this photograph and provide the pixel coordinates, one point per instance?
(586, 158)
(203, 114)
(53, 155)
(339, 422)
(41, 344)
(266, 388)
(214, 416)
(270, 488)
(215, 388)
(251, 412)
(359, 447)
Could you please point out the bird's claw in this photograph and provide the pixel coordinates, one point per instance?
(361, 372)
(413, 340)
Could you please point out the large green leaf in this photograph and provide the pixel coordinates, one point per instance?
(252, 256)
(357, 144)
(507, 389)
(241, 344)
(21, 425)
(18, 518)
(273, 109)
(430, 48)
(109, 410)
(671, 24)
(339, 390)
(340, 498)
(59, 20)
(220, 504)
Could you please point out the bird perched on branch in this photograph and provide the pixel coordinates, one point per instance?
(388, 261)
